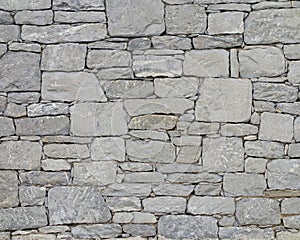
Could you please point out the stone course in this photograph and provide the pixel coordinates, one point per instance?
(149, 119)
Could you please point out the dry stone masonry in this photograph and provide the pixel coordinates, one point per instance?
(149, 119)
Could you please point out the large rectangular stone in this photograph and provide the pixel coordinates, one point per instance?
(79, 17)
(68, 151)
(44, 178)
(13, 5)
(264, 149)
(218, 41)
(246, 233)
(173, 205)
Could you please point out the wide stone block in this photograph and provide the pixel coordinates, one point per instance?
(140, 230)
(172, 205)
(153, 121)
(88, 202)
(79, 17)
(97, 231)
(34, 17)
(171, 42)
(9, 189)
(44, 178)
(127, 190)
(13, 5)
(141, 18)
(264, 149)
(246, 233)
(46, 109)
(98, 119)
(217, 41)
(119, 204)
(68, 151)
(231, 130)
(225, 23)
(9, 33)
(108, 148)
(32, 195)
(80, 5)
(224, 100)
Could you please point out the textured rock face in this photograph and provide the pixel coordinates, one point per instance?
(9, 189)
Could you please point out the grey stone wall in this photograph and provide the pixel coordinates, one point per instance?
(149, 119)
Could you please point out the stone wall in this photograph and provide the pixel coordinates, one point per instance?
(149, 119)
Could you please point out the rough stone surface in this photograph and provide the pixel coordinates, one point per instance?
(9, 189)
(79, 17)
(9, 33)
(97, 231)
(171, 42)
(264, 149)
(246, 233)
(32, 195)
(153, 122)
(294, 73)
(217, 41)
(78, 5)
(225, 23)
(7, 127)
(290, 206)
(172, 205)
(34, 17)
(110, 148)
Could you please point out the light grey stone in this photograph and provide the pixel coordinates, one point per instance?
(291, 108)
(244, 184)
(3, 47)
(271, 4)
(7, 127)
(276, 127)
(20, 155)
(108, 58)
(15, 111)
(104, 119)
(118, 204)
(171, 42)
(109, 44)
(231, 130)
(9, 189)
(153, 121)
(208, 189)
(79, 17)
(144, 177)
(259, 62)
(9, 33)
(297, 129)
(290, 206)
(223, 154)
(225, 23)
(193, 178)
(284, 174)
(88, 202)
(173, 190)
(15, 74)
(255, 165)
(23, 97)
(149, 106)
(66, 151)
(115, 73)
(230, 7)
(5, 17)
(42, 109)
(206, 63)
(272, 26)
(226, 221)
(156, 66)
(140, 230)
(178, 23)
(34, 17)
(3, 103)
(94, 173)
(189, 154)
(34, 236)
(283, 235)
(149, 134)
(211, 205)
(262, 106)
(78, 5)
(244, 233)
(178, 168)
(25, 4)
(127, 89)
(175, 2)
(294, 150)
(134, 217)
(44, 178)
(292, 51)
(108, 148)
(187, 227)
(264, 149)
(22, 218)
(127, 190)
(179, 87)
(5, 235)
(42, 126)
(27, 47)
(97, 231)
(294, 72)
(55, 165)
(64, 57)
(150, 151)
(136, 167)
(258, 211)
(141, 19)
(64, 33)
(274, 92)
(292, 222)
(187, 141)
(220, 41)
(201, 128)
(172, 205)
(32, 195)
(139, 43)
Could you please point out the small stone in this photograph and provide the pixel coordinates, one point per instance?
(32, 195)
(223, 154)
(115, 73)
(97, 231)
(27, 47)
(136, 167)
(172, 205)
(292, 222)
(206, 63)
(259, 62)
(25, 4)
(144, 177)
(139, 230)
(35, 237)
(258, 211)
(294, 73)
(230, 7)
(187, 141)
(9, 189)
(108, 148)
(290, 206)
(173, 190)
(188, 154)
(149, 134)
(281, 122)
(109, 44)
(208, 189)
(193, 178)
(146, 19)
(231, 130)
(264, 149)
(44, 178)
(283, 174)
(5, 18)
(134, 217)
(226, 221)
(297, 129)
(158, 122)
(201, 128)
(9, 32)
(139, 43)
(225, 23)
(7, 127)
(66, 151)
(187, 227)
(288, 235)
(79, 17)
(255, 165)
(78, 5)
(88, 202)
(23, 97)
(118, 204)
(127, 190)
(292, 51)
(246, 233)
(178, 168)
(294, 150)
(220, 41)
(55, 165)
(15, 110)
(42, 109)
(291, 108)
(171, 42)
(34, 17)
(178, 23)
(5, 235)
(3, 103)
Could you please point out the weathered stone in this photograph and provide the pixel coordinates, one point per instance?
(15, 111)
(246, 233)
(3, 103)
(230, 7)
(88, 202)
(188, 154)
(44, 178)
(193, 178)
(115, 73)
(134, 217)
(284, 174)
(231, 130)
(32, 195)
(139, 230)
(5, 235)
(272, 26)
(66, 151)
(225, 23)
(156, 66)
(292, 51)
(37, 236)
(108, 58)
(144, 177)
(108, 148)
(206, 63)
(64, 33)
(294, 72)
(64, 57)
(22, 218)
(139, 43)
(54, 229)
(150, 151)
(297, 129)
(55, 165)
(9, 189)
(223, 154)
(179, 87)
(149, 106)
(244, 184)
(149, 134)
(52, 109)
(264, 149)
(113, 43)
(290, 206)
(142, 19)
(5, 18)
(153, 121)
(23, 97)
(42, 126)
(187, 141)
(97, 231)
(9, 33)
(94, 173)
(79, 17)
(27, 47)
(211, 205)
(172, 205)
(78, 5)
(173, 190)
(259, 62)
(178, 168)
(288, 235)
(271, 4)
(187, 227)
(294, 150)
(136, 167)
(197, 128)
(292, 222)
(103, 119)
(208, 189)
(20, 155)
(25, 4)
(34, 17)
(127, 89)
(178, 23)
(7, 127)
(274, 92)
(221, 41)
(255, 165)
(171, 42)
(127, 189)
(118, 204)
(258, 211)
(15, 74)
(291, 108)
